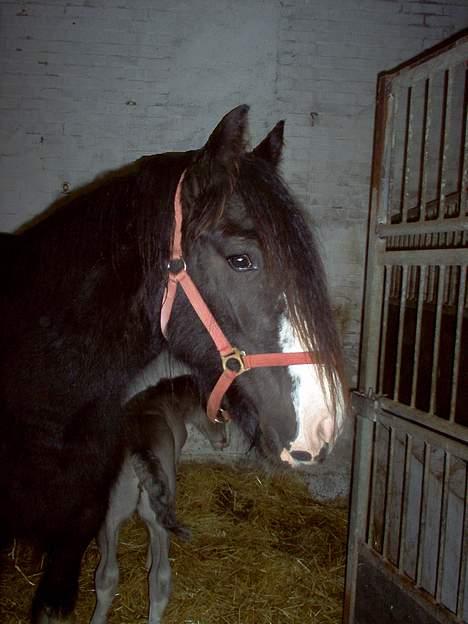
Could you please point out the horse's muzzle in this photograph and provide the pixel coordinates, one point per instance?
(298, 457)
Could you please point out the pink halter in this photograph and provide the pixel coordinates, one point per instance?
(233, 360)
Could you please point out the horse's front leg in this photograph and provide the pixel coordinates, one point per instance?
(56, 594)
(55, 597)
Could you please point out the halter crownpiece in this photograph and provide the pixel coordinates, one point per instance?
(234, 361)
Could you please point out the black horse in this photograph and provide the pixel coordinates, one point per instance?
(81, 296)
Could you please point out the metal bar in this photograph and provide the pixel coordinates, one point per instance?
(372, 326)
(405, 172)
(424, 151)
(457, 224)
(463, 170)
(458, 342)
(462, 574)
(417, 346)
(387, 182)
(369, 537)
(443, 147)
(423, 513)
(383, 335)
(369, 348)
(426, 256)
(390, 466)
(435, 430)
(438, 324)
(359, 501)
(404, 507)
(443, 529)
(418, 69)
(383, 180)
(401, 327)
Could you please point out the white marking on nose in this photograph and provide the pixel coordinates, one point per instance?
(317, 425)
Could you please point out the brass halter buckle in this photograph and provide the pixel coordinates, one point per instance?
(234, 361)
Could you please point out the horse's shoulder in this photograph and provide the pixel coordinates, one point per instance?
(12, 257)
(9, 243)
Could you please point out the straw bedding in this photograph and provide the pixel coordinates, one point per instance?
(262, 552)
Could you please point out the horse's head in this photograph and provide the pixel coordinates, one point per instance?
(250, 252)
(215, 432)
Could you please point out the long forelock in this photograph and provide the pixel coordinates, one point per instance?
(291, 253)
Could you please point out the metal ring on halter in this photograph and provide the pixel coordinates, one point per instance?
(234, 361)
(176, 265)
(222, 416)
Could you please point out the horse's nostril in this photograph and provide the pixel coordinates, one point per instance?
(301, 456)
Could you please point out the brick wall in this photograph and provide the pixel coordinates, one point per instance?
(88, 85)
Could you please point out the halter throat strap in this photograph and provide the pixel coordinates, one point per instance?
(234, 361)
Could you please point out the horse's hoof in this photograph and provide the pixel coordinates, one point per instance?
(46, 617)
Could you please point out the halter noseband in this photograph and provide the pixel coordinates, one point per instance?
(233, 360)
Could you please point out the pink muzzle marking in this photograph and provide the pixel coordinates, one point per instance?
(234, 361)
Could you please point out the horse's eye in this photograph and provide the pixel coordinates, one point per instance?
(241, 262)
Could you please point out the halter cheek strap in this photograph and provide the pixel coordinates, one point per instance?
(233, 360)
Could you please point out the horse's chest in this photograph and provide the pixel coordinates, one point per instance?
(44, 478)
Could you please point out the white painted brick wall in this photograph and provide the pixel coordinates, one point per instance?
(89, 85)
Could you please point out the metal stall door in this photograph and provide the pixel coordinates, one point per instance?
(408, 536)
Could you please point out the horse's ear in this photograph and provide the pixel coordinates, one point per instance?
(219, 158)
(227, 141)
(212, 174)
(271, 147)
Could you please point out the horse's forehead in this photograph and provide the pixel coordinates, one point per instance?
(237, 213)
